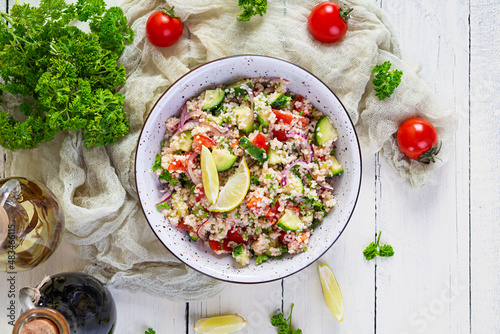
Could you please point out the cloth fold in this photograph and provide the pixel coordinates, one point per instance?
(96, 187)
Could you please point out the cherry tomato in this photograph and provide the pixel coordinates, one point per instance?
(272, 214)
(417, 139)
(199, 141)
(185, 227)
(328, 21)
(220, 246)
(164, 28)
(260, 141)
(288, 118)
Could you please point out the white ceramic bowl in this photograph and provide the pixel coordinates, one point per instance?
(229, 70)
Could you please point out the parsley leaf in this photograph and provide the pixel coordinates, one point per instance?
(251, 8)
(68, 77)
(385, 81)
(150, 331)
(157, 163)
(374, 249)
(284, 325)
(166, 176)
(254, 180)
(260, 259)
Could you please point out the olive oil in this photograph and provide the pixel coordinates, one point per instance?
(31, 224)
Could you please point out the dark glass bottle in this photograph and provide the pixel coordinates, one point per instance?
(85, 303)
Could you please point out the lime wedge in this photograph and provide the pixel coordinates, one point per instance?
(331, 292)
(221, 324)
(209, 175)
(235, 190)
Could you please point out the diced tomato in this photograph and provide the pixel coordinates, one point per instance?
(272, 214)
(179, 164)
(199, 193)
(185, 227)
(261, 141)
(282, 237)
(236, 235)
(220, 246)
(305, 111)
(287, 117)
(280, 135)
(199, 141)
(293, 208)
(252, 203)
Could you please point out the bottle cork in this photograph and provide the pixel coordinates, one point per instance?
(40, 326)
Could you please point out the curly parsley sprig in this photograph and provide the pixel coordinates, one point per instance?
(150, 331)
(284, 325)
(385, 81)
(67, 77)
(374, 249)
(251, 8)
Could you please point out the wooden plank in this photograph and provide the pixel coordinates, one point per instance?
(354, 274)
(485, 181)
(424, 287)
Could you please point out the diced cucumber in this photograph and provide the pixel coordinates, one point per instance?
(244, 119)
(193, 236)
(258, 153)
(240, 254)
(336, 167)
(290, 221)
(273, 243)
(293, 183)
(274, 158)
(186, 140)
(237, 89)
(223, 159)
(263, 116)
(324, 131)
(213, 98)
(279, 100)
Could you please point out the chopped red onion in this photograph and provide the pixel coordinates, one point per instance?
(304, 141)
(325, 186)
(166, 196)
(190, 171)
(183, 116)
(287, 169)
(250, 95)
(184, 127)
(199, 227)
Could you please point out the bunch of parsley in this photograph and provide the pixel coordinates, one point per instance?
(66, 77)
(284, 325)
(374, 249)
(251, 8)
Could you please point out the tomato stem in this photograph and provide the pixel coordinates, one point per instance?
(345, 12)
(169, 11)
(430, 155)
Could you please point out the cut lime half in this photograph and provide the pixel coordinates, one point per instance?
(221, 324)
(331, 292)
(235, 190)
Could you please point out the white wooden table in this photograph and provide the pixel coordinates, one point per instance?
(445, 275)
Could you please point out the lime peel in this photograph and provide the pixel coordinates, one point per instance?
(331, 292)
(220, 324)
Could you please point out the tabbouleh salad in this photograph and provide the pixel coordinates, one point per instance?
(290, 151)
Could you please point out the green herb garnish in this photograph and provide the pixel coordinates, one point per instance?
(284, 325)
(157, 163)
(166, 176)
(150, 331)
(251, 8)
(260, 259)
(374, 249)
(385, 81)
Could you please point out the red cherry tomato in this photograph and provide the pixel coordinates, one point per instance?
(280, 135)
(236, 235)
(328, 21)
(164, 28)
(272, 214)
(417, 139)
(260, 141)
(179, 164)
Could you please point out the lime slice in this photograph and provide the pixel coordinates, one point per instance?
(209, 175)
(331, 292)
(221, 324)
(235, 190)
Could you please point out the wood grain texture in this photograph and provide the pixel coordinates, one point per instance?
(484, 155)
(445, 276)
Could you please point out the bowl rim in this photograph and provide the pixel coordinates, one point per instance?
(355, 200)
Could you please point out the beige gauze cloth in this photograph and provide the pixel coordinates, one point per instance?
(96, 186)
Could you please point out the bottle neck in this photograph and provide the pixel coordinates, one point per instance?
(4, 226)
(41, 320)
